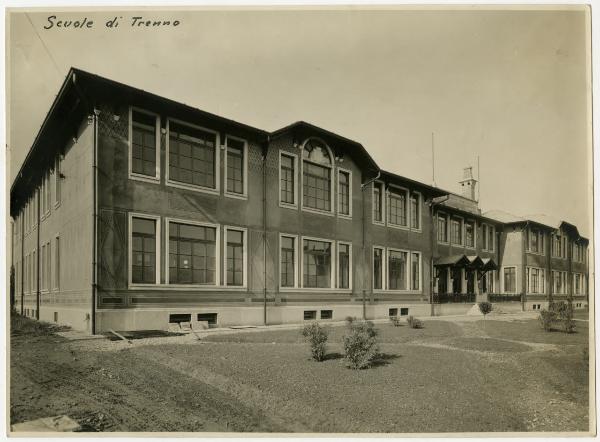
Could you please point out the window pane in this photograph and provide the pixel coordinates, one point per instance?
(235, 257)
(191, 251)
(397, 270)
(317, 264)
(415, 272)
(316, 187)
(191, 155)
(397, 208)
(143, 246)
(344, 193)
(344, 266)
(143, 143)
(287, 179)
(235, 162)
(415, 210)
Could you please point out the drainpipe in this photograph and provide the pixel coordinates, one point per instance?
(37, 270)
(524, 269)
(364, 223)
(95, 220)
(432, 204)
(22, 261)
(264, 216)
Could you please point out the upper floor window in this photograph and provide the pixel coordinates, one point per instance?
(378, 202)
(535, 241)
(235, 170)
(397, 207)
(415, 211)
(344, 192)
(559, 246)
(193, 158)
(144, 145)
(442, 228)
(487, 237)
(316, 176)
(578, 252)
(456, 231)
(287, 178)
(470, 233)
(57, 180)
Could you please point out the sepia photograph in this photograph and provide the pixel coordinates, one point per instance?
(300, 220)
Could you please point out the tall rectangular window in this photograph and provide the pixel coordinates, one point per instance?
(377, 269)
(143, 251)
(192, 254)
(397, 208)
(143, 144)
(442, 228)
(344, 193)
(192, 155)
(491, 236)
(57, 180)
(235, 257)
(48, 193)
(378, 202)
(43, 268)
(57, 263)
(510, 280)
(456, 231)
(287, 181)
(316, 186)
(397, 270)
(415, 211)
(235, 165)
(470, 233)
(415, 271)
(317, 264)
(288, 261)
(343, 266)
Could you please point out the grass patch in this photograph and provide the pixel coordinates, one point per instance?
(488, 345)
(23, 326)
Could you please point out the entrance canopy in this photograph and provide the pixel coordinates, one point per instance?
(469, 262)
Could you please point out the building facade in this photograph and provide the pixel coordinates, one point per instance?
(132, 212)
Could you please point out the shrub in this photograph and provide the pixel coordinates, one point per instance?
(485, 307)
(360, 344)
(395, 320)
(414, 322)
(564, 312)
(317, 338)
(547, 319)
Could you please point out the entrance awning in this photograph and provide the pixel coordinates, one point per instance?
(470, 262)
(475, 262)
(454, 260)
(488, 264)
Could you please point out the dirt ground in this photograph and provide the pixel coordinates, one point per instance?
(447, 377)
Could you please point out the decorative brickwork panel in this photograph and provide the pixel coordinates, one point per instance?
(112, 246)
(109, 126)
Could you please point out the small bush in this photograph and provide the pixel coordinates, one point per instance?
(317, 338)
(360, 344)
(564, 312)
(485, 308)
(395, 320)
(547, 319)
(414, 322)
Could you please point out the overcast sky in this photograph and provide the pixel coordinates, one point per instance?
(507, 86)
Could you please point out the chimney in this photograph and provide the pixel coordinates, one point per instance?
(468, 184)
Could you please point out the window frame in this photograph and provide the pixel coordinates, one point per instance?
(339, 171)
(56, 279)
(474, 223)
(541, 282)
(332, 180)
(180, 185)
(461, 229)
(244, 194)
(406, 206)
(504, 280)
(337, 266)
(332, 276)
(383, 268)
(244, 231)
(218, 262)
(57, 180)
(157, 249)
(296, 264)
(137, 176)
(420, 288)
(294, 157)
(447, 223)
(382, 195)
(408, 270)
(419, 209)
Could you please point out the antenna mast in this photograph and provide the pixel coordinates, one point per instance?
(478, 181)
(432, 160)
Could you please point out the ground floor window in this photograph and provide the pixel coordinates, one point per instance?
(317, 264)
(415, 271)
(344, 259)
(192, 254)
(287, 263)
(536, 280)
(578, 284)
(143, 250)
(510, 279)
(377, 268)
(559, 282)
(235, 256)
(397, 270)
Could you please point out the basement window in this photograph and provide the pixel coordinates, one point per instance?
(211, 318)
(326, 314)
(55, 316)
(393, 312)
(404, 312)
(310, 315)
(180, 317)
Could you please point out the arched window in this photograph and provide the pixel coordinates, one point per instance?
(317, 182)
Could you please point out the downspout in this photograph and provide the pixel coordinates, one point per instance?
(364, 227)
(37, 270)
(432, 204)
(264, 216)
(524, 269)
(22, 261)
(95, 220)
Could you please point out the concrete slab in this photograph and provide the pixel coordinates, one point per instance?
(53, 424)
(76, 335)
